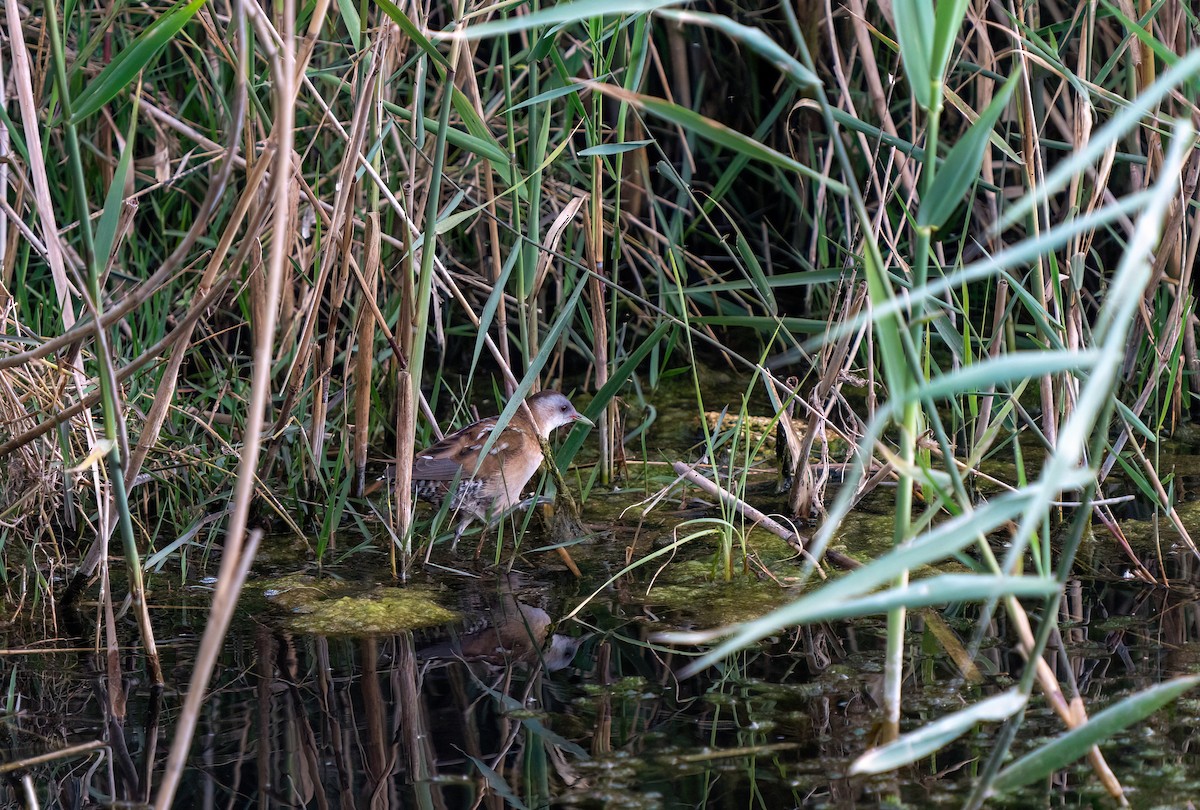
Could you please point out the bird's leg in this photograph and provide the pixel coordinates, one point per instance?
(487, 525)
(532, 501)
(458, 533)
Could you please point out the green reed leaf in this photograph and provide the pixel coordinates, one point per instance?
(933, 736)
(716, 133)
(126, 65)
(755, 39)
(961, 167)
(914, 32)
(556, 13)
(1073, 745)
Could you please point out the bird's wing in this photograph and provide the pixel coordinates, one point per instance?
(444, 459)
(429, 467)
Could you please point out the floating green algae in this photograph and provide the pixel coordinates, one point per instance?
(711, 604)
(339, 609)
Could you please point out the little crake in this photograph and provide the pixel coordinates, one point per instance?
(488, 485)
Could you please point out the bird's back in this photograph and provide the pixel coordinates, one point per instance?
(491, 483)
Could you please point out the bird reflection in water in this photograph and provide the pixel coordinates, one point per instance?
(509, 632)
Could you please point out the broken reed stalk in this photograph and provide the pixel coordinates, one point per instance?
(365, 358)
(368, 276)
(566, 511)
(794, 539)
(406, 410)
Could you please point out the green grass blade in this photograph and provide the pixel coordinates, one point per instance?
(351, 19)
(614, 148)
(887, 323)
(1006, 370)
(556, 13)
(549, 95)
(933, 736)
(914, 33)
(754, 267)
(948, 21)
(961, 167)
(483, 147)
(717, 133)
(938, 590)
(126, 65)
(1075, 744)
(476, 126)
(106, 227)
(753, 38)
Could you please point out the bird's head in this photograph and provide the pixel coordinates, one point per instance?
(551, 410)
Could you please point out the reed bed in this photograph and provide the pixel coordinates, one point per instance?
(252, 253)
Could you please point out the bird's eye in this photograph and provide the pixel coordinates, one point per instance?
(563, 409)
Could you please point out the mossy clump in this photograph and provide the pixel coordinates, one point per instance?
(330, 610)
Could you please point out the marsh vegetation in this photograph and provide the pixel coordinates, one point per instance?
(928, 266)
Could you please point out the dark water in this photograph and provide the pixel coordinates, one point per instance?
(297, 720)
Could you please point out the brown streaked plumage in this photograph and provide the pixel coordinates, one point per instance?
(483, 488)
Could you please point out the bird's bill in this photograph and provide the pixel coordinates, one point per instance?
(578, 417)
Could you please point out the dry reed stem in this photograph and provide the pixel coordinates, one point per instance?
(363, 110)
(334, 248)
(23, 81)
(406, 396)
(233, 563)
(793, 538)
(1072, 713)
(50, 756)
(868, 68)
(606, 423)
(406, 412)
(836, 360)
